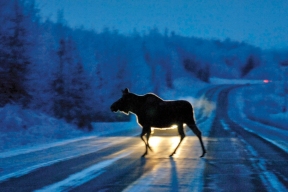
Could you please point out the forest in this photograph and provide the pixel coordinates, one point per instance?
(75, 74)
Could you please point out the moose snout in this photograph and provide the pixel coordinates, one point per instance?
(113, 108)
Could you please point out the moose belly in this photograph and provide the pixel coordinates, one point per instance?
(163, 124)
(162, 120)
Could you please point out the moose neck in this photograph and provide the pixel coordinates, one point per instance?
(137, 104)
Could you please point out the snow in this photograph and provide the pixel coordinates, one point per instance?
(219, 81)
(239, 100)
(24, 130)
(94, 67)
(280, 117)
(263, 103)
(24, 127)
(268, 177)
(55, 152)
(81, 177)
(88, 70)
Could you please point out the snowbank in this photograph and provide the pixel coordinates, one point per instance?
(262, 103)
(215, 80)
(24, 127)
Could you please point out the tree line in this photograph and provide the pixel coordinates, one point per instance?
(75, 73)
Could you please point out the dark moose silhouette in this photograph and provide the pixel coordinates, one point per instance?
(152, 111)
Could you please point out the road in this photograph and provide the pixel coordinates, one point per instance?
(237, 159)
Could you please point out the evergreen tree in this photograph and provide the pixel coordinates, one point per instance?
(79, 95)
(58, 84)
(14, 59)
(70, 86)
(250, 64)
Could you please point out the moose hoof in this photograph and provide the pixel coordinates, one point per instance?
(144, 155)
(150, 148)
(203, 154)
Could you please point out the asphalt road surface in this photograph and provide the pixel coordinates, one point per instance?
(237, 159)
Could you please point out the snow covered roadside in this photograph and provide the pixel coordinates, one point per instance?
(262, 103)
(26, 135)
(24, 130)
(259, 101)
(275, 135)
(219, 81)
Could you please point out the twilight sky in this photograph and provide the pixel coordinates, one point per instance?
(263, 23)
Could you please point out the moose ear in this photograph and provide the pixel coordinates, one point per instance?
(126, 90)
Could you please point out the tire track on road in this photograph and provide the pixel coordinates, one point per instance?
(58, 171)
(227, 168)
(273, 158)
(245, 144)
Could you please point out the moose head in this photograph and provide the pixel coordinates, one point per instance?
(124, 103)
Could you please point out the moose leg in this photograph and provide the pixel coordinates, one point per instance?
(147, 137)
(141, 136)
(147, 131)
(182, 135)
(198, 133)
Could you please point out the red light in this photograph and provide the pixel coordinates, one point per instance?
(266, 81)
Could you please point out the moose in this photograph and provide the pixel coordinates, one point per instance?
(152, 111)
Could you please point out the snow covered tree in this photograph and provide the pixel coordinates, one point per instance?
(14, 59)
(250, 65)
(77, 96)
(197, 69)
(70, 86)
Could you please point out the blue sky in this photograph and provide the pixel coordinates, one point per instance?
(263, 23)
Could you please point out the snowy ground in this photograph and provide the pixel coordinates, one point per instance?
(273, 134)
(262, 103)
(26, 130)
(260, 100)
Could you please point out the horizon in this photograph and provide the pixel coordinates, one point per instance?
(259, 23)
